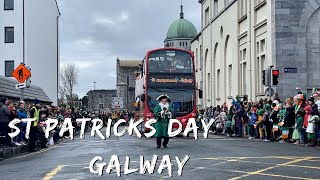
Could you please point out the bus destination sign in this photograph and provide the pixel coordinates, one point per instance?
(170, 80)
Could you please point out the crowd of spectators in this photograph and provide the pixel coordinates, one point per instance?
(294, 120)
(9, 111)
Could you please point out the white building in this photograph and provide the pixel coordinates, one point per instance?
(240, 38)
(29, 33)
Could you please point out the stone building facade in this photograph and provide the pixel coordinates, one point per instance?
(240, 38)
(126, 75)
(100, 99)
(297, 42)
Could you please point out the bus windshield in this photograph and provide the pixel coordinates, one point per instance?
(181, 98)
(174, 61)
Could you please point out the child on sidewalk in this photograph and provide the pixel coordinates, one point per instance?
(259, 124)
(228, 126)
(311, 126)
(252, 121)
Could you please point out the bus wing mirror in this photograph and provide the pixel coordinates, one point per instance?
(200, 94)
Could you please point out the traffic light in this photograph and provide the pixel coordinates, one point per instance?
(275, 76)
(264, 77)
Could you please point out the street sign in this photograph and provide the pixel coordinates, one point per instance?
(117, 103)
(21, 86)
(21, 73)
(290, 70)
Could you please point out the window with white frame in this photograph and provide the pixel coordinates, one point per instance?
(9, 67)
(9, 34)
(261, 63)
(243, 8)
(218, 83)
(243, 71)
(207, 16)
(226, 2)
(215, 8)
(8, 4)
(230, 79)
(258, 2)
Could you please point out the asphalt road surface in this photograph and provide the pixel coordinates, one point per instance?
(217, 157)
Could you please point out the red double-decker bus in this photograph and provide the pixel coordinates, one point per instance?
(168, 71)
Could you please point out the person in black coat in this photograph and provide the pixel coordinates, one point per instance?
(4, 121)
(314, 107)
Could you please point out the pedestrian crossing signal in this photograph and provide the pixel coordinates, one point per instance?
(264, 77)
(275, 76)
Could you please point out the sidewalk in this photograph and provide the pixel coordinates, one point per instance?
(9, 152)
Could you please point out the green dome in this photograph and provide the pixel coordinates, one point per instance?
(181, 28)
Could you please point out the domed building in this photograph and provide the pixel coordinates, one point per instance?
(180, 33)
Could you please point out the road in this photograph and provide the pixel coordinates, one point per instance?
(217, 157)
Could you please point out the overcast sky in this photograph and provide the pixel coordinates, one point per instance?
(93, 33)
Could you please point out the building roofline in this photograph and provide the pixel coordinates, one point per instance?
(58, 8)
(197, 36)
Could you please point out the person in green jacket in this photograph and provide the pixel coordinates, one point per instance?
(163, 112)
(299, 126)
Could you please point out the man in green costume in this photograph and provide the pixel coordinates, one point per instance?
(163, 112)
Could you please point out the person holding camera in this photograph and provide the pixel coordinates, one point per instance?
(163, 113)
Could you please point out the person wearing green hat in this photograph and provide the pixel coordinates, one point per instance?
(259, 123)
(266, 122)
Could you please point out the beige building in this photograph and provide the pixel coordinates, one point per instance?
(240, 38)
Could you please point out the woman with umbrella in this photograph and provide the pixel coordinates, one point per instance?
(163, 113)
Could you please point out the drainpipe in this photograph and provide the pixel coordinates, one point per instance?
(250, 49)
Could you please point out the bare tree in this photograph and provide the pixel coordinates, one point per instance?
(69, 79)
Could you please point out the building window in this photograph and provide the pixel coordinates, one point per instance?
(100, 96)
(216, 8)
(262, 45)
(207, 16)
(180, 44)
(243, 71)
(100, 106)
(9, 34)
(8, 4)
(230, 80)
(218, 83)
(226, 2)
(243, 8)
(244, 57)
(258, 2)
(186, 43)
(261, 64)
(9, 67)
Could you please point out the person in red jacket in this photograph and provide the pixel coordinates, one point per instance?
(307, 109)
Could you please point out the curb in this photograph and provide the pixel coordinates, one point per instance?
(10, 152)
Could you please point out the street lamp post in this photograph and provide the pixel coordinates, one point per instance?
(127, 93)
(94, 88)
